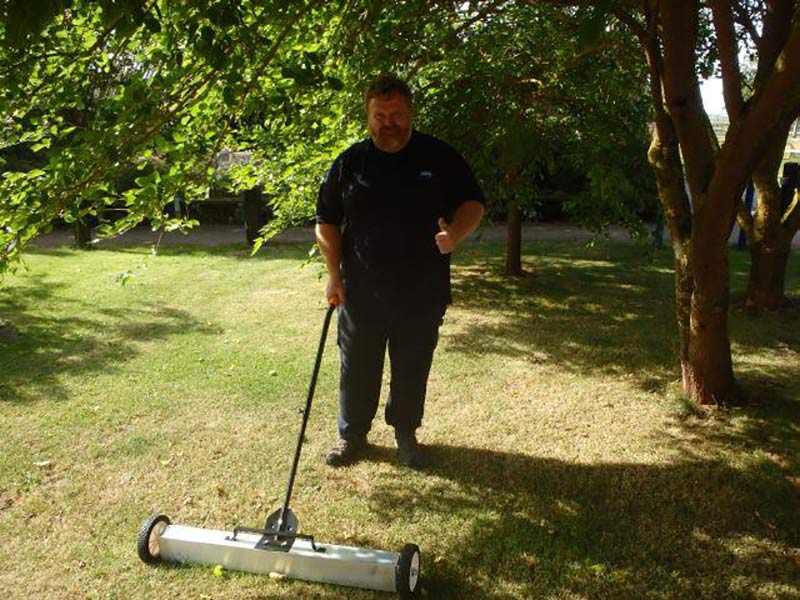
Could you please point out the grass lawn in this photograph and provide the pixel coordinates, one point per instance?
(564, 463)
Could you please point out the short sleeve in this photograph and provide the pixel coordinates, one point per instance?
(329, 199)
(463, 183)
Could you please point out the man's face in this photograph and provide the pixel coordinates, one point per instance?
(389, 119)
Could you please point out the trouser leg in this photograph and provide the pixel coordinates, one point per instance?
(362, 346)
(412, 340)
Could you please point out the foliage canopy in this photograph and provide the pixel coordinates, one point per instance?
(115, 108)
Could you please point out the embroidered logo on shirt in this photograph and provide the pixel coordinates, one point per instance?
(425, 175)
(361, 181)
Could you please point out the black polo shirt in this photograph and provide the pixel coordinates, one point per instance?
(388, 205)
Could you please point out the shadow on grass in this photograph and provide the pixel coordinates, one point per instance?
(537, 527)
(592, 309)
(85, 340)
(766, 429)
(607, 309)
(776, 330)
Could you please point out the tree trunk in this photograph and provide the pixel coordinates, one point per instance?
(766, 286)
(769, 234)
(513, 225)
(716, 181)
(253, 213)
(514, 240)
(716, 177)
(708, 376)
(83, 234)
(683, 302)
(665, 161)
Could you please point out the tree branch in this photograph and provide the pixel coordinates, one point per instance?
(74, 54)
(728, 57)
(775, 32)
(452, 37)
(635, 27)
(774, 106)
(679, 25)
(655, 65)
(664, 155)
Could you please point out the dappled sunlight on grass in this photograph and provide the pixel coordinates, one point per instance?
(563, 462)
(585, 315)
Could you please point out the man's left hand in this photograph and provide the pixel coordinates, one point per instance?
(445, 239)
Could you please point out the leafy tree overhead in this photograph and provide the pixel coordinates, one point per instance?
(98, 88)
(527, 96)
(544, 101)
(92, 88)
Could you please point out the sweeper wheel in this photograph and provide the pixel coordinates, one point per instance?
(406, 571)
(147, 546)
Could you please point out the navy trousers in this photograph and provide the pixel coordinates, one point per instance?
(411, 336)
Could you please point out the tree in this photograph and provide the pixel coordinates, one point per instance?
(547, 99)
(94, 88)
(683, 142)
(526, 94)
(775, 222)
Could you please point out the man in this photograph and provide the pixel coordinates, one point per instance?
(391, 210)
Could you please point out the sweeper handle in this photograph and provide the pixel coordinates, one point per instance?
(332, 302)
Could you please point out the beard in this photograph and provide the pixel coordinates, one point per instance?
(391, 139)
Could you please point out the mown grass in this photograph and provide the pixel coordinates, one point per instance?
(564, 463)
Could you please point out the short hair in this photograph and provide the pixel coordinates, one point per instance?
(387, 85)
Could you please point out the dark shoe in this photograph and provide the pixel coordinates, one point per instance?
(409, 452)
(345, 452)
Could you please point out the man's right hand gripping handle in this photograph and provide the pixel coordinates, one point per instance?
(334, 292)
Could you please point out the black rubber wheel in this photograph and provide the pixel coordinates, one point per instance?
(406, 571)
(147, 540)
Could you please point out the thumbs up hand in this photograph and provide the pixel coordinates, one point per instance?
(445, 239)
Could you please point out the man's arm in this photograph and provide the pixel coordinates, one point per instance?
(329, 238)
(466, 219)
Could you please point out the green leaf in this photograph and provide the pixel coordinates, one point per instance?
(45, 143)
(257, 246)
